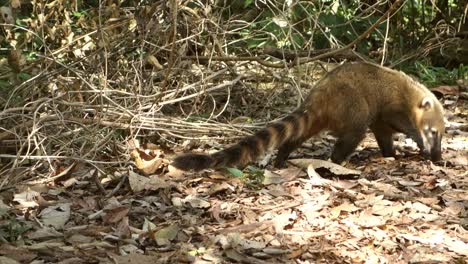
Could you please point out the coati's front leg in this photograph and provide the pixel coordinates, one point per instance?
(347, 143)
(384, 136)
(402, 123)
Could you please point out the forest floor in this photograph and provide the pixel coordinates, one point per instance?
(381, 210)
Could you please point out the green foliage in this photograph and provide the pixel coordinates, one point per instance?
(252, 176)
(11, 229)
(306, 25)
(23, 76)
(4, 86)
(433, 76)
(235, 172)
(309, 25)
(248, 3)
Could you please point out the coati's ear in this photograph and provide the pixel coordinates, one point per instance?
(426, 103)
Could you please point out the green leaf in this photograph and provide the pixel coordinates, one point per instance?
(4, 85)
(254, 170)
(24, 76)
(247, 3)
(297, 40)
(3, 211)
(255, 43)
(235, 172)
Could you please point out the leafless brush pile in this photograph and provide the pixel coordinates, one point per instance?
(99, 78)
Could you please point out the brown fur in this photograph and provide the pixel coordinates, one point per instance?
(347, 101)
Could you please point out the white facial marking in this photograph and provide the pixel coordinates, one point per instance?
(426, 143)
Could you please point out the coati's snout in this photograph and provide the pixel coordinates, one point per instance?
(432, 144)
(431, 129)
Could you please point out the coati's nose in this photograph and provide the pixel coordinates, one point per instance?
(436, 155)
(436, 152)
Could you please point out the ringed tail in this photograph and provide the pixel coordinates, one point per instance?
(290, 128)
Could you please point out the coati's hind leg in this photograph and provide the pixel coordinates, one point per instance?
(347, 143)
(312, 126)
(384, 136)
(286, 149)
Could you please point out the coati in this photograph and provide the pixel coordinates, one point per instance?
(347, 101)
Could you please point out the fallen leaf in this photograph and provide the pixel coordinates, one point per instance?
(115, 214)
(220, 187)
(77, 239)
(196, 202)
(56, 216)
(45, 233)
(290, 173)
(146, 163)
(148, 226)
(237, 241)
(165, 235)
(455, 195)
(344, 184)
(123, 228)
(431, 237)
(332, 167)
(272, 178)
(153, 61)
(419, 207)
(446, 90)
(175, 172)
(135, 259)
(19, 254)
(282, 220)
(137, 182)
(6, 260)
(453, 209)
(315, 178)
(276, 251)
(456, 246)
(429, 257)
(387, 189)
(277, 191)
(4, 206)
(156, 183)
(409, 183)
(429, 200)
(367, 219)
(388, 209)
(236, 256)
(344, 207)
(129, 248)
(423, 216)
(177, 201)
(27, 199)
